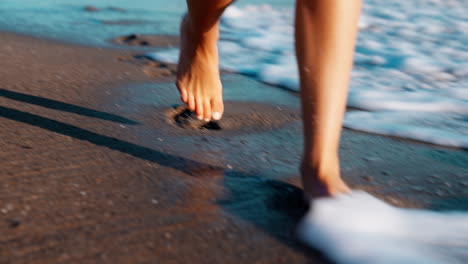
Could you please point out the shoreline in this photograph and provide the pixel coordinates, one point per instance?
(135, 54)
(91, 159)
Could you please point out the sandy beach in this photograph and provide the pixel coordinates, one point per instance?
(99, 166)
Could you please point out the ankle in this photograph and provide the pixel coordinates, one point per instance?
(322, 178)
(199, 33)
(322, 167)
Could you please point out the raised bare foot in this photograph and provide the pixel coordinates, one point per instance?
(198, 78)
(322, 182)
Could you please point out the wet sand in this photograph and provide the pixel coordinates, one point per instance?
(95, 167)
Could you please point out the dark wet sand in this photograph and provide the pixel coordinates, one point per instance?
(95, 169)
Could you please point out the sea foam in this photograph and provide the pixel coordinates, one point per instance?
(411, 59)
(357, 228)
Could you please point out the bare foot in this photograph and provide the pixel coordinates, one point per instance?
(323, 182)
(198, 78)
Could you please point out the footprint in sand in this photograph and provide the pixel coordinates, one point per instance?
(240, 117)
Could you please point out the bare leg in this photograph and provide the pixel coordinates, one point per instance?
(325, 39)
(198, 78)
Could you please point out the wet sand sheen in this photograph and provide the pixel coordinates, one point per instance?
(93, 171)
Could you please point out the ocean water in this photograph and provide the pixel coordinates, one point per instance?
(67, 20)
(411, 63)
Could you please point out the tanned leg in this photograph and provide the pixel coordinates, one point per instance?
(198, 77)
(325, 38)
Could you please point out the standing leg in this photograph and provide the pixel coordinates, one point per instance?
(198, 78)
(325, 39)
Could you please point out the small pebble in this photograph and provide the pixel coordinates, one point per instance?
(372, 159)
(367, 178)
(394, 201)
(14, 223)
(91, 9)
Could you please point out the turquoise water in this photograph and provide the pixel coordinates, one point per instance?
(67, 20)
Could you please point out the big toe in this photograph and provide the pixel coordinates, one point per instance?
(217, 108)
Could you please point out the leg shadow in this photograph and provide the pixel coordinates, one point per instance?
(57, 105)
(274, 206)
(164, 159)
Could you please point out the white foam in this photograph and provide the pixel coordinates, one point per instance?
(357, 228)
(411, 57)
(441, 129)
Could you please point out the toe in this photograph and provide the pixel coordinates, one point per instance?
(217, 108)
(191, 103)
(183, 96)
(199, 107)
(183, 92)
(207, 110)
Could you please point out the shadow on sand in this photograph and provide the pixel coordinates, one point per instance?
(271, 205)
(65, 107)
(274, 206)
